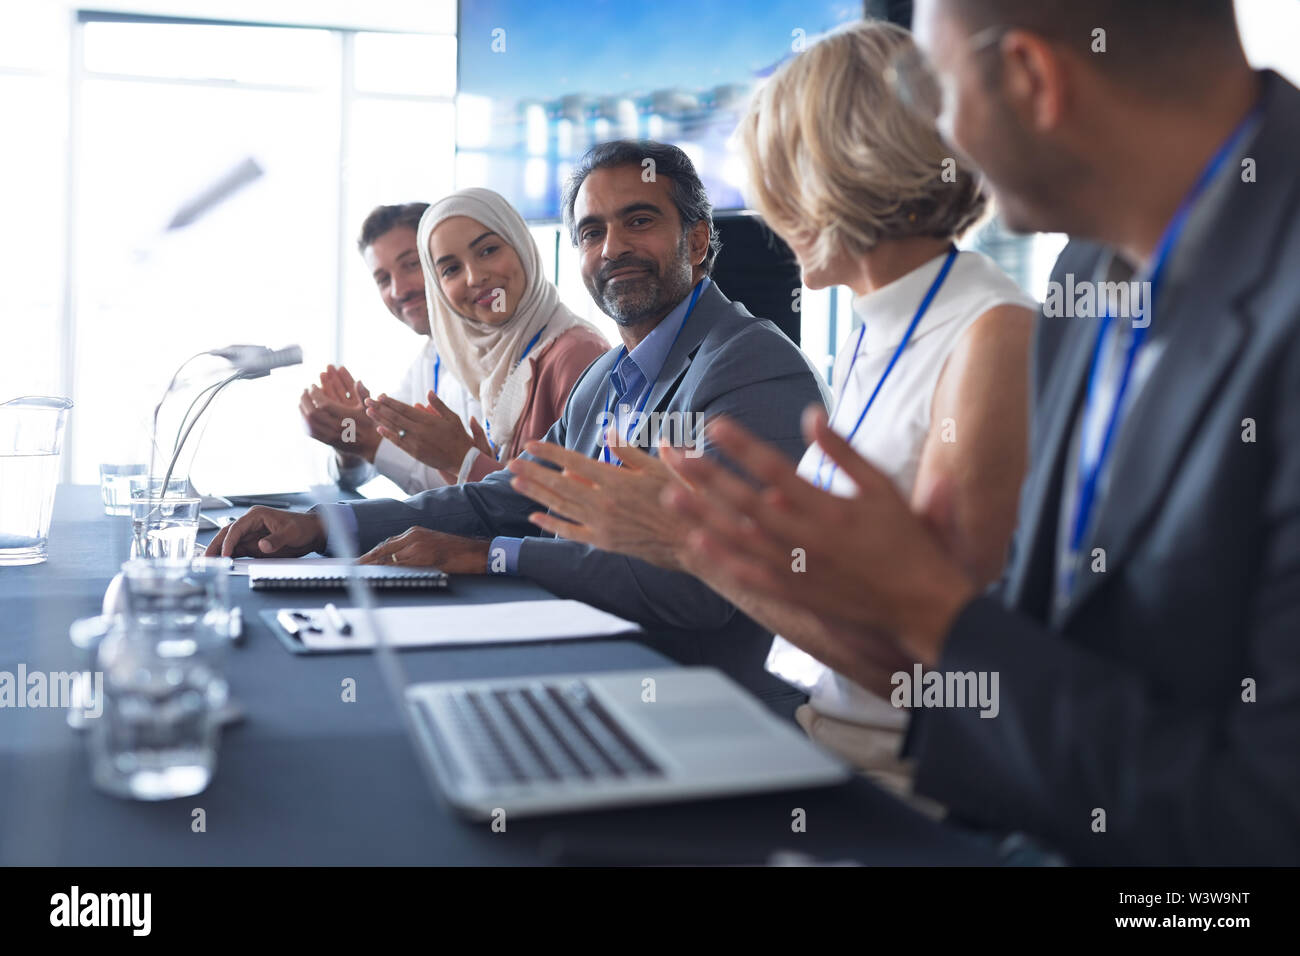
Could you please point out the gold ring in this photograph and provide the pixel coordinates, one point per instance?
(394, 557)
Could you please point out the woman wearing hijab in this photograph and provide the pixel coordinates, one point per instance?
(499, 328)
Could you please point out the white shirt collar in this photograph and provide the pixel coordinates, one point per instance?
(889, 310)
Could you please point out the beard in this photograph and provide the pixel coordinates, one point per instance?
(649, 295)
(1026, 177)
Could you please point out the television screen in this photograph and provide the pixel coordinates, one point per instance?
(542, 80)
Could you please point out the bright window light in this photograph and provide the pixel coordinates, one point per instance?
(1270, 31)
(405, 63)
(266, 55)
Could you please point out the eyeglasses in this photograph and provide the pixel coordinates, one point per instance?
(918, 86)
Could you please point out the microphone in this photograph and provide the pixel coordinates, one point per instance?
(256, 361)
(250, 361)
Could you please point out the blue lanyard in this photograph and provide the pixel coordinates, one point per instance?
(487, 425)
(1091, 468)
(649, 385)
(907, 336)
(437, 367)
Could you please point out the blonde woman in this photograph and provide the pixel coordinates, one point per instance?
(931, 386)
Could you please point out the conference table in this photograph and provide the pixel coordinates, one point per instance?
(307, 778)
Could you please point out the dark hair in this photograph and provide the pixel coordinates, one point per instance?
(684, 186)
(1162, 43)
(384, 219)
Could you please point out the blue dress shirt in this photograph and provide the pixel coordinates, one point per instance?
(632, 378)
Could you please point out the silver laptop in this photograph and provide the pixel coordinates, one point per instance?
(568, 742)
(537, 745)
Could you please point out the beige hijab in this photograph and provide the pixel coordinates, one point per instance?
(485, 358)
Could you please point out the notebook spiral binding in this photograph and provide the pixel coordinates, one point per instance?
(374, 577)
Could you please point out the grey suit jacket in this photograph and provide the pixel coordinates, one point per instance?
(725, 361)
(1169, 694)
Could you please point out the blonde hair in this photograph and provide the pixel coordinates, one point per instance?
(834, 159)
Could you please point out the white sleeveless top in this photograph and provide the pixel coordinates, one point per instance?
(893, 434)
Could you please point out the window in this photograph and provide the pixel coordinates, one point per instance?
(164, 109)
(112, 122)
(32, 203)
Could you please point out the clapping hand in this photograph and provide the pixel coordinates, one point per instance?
(335, 414)
(613, 508)
(432, 434)
(866, 562)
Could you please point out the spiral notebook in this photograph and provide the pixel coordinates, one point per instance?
(277, 575)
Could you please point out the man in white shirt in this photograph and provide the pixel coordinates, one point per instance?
(334, 410)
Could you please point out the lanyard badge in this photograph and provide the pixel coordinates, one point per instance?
(1092, 462)
(487, 425)
(907, 337)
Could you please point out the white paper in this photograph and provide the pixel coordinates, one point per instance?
(446, 624)
(241, 564)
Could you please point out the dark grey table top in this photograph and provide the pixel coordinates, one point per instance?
(309, 779)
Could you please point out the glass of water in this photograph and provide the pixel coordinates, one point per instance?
(115, 486)
(181, 593)
(148, 486)
(163, 694)
(85, 703)
(31, 438)
(164, 527)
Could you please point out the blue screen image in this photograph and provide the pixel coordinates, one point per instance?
(541, 81)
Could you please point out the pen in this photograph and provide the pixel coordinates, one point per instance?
(286, 621)
(337, 620)
(250, 500)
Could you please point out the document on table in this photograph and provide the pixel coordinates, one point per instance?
(448, 624)
(241, 564)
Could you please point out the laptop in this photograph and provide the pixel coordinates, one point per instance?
(565, 742)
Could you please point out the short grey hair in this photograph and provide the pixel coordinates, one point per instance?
(684, 186)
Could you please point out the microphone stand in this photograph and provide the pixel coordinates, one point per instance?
(250, 362)
(180, 445)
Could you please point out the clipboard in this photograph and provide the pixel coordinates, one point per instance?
(307, 617)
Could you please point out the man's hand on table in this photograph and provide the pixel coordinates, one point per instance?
(269, 533)
(425, 548)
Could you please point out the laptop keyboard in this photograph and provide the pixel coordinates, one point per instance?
(539, 732)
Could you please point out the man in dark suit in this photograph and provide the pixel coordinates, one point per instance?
(647, 246)
(1147, 631)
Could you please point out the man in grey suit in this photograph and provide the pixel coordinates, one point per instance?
(642, 222)
(1147, 631)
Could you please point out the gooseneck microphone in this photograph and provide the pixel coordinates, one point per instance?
(249, 361)
(258, 360)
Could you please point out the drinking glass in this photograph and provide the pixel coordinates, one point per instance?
(85, 702)
(151, 486)
(157, 736)
(181, 593)
(164, 527)
(115, 486)
(163, 690)
(31, 439)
